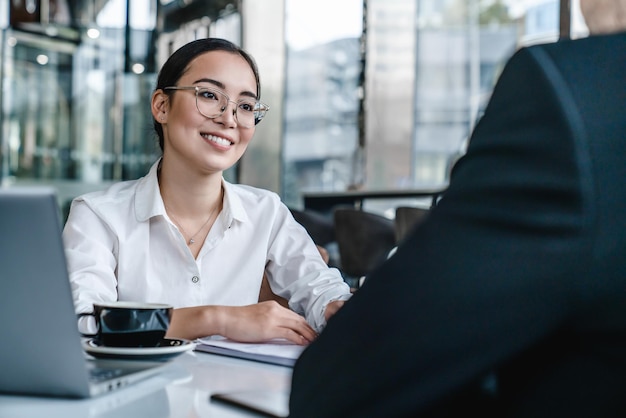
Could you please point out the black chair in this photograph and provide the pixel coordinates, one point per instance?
(320, 227)
(322, 230)
(407, 217)
(364, 240)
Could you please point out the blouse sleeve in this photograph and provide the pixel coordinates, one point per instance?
(90, 247)
(297, 272)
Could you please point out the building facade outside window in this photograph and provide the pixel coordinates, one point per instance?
(430, 66)
(76, 86)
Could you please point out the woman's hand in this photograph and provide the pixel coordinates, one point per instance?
(252, 323)
(264, 321)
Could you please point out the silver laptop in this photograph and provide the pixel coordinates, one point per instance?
(41, 351)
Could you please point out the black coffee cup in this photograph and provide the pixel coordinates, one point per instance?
(130, 324)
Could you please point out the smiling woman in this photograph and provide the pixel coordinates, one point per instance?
(184, 236)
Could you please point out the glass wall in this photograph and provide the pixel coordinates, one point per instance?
(73, 98)
(263, 36)
(428, 69)
(426, 104)
(320, 150)
(77, 81)
(364, 94)
(37, 106)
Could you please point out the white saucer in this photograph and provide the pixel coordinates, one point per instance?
(168, 349)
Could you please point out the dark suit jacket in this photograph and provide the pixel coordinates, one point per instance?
(510, 300)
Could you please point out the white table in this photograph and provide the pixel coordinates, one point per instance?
(182, 389)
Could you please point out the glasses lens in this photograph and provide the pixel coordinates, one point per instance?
(246, 111)
(212, 103)
(259, 112)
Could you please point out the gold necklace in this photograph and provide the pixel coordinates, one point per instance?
(191, 239)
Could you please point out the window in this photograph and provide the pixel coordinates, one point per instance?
(429, 68)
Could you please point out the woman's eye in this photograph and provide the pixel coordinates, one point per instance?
(247, 106)
(208, 95)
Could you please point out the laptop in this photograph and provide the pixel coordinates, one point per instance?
(41, 351)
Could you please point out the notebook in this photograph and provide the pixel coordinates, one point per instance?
(41, 352)
(278, 351)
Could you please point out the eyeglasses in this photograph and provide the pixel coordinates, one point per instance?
(211, 103)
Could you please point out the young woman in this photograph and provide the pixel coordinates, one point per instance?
(183, 235)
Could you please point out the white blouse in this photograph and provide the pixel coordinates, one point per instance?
(121, 245)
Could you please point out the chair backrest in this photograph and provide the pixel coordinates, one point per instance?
(364, 240)
(319, 226)
(407, 217)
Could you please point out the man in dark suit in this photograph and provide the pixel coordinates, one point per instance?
(510, 299)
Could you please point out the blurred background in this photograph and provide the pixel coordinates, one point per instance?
(364, 94)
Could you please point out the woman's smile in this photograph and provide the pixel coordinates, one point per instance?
(218, 141)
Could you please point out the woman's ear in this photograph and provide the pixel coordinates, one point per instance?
(160, 106)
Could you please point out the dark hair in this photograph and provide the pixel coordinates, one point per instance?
(178, 63)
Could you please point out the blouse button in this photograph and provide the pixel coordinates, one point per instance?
(195, 279)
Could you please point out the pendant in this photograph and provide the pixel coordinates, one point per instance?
(191, 241)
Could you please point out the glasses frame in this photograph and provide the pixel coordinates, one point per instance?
(260, 108)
